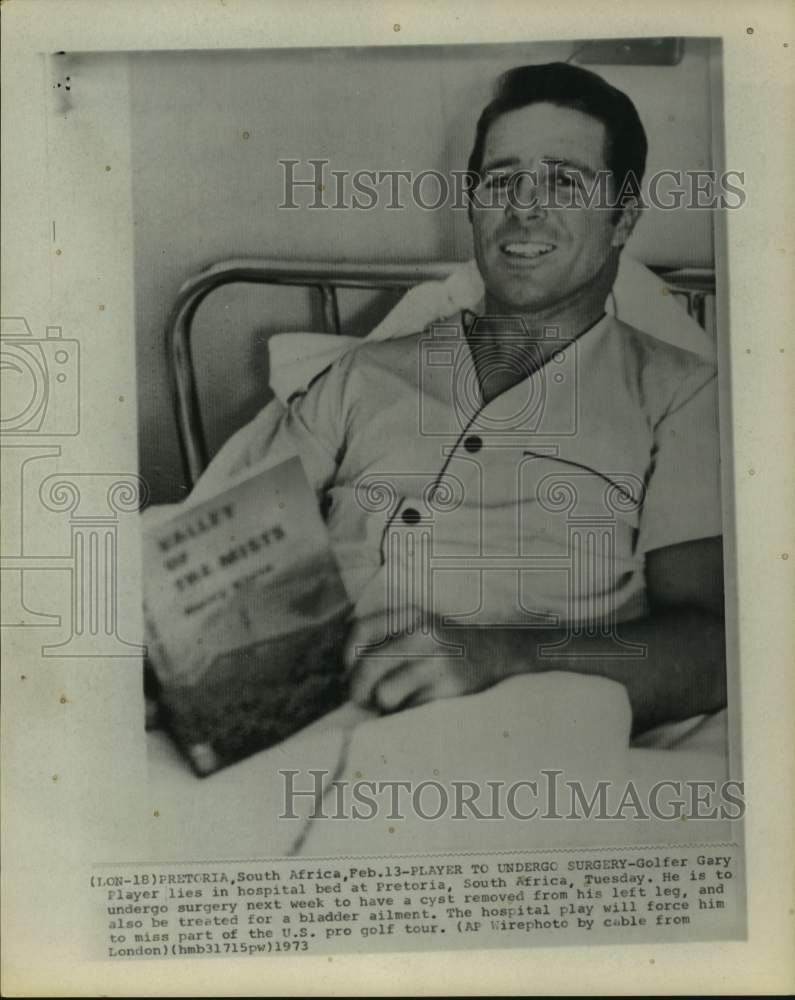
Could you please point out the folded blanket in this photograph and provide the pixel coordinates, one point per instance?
(554, 722)
(510, 733)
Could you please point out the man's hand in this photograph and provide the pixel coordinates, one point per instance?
(679, 670)
(413, 668)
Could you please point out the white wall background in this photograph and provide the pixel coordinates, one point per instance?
(203, 191)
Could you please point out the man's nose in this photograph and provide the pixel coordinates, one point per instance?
(524, 198)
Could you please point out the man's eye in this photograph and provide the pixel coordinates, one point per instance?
(563, 180)
(497, 182)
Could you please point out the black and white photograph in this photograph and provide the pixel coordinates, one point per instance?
(492, 343)
(408, 617)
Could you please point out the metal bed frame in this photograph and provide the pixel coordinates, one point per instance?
(694, 285)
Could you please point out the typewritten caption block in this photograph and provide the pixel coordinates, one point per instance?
(342, 905)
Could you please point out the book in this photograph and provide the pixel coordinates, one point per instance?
(246, 615)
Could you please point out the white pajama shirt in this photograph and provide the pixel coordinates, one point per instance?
(537, 508)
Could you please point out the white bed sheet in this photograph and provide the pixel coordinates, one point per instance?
(571, 722)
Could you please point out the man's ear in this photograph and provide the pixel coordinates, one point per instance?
(625, 224)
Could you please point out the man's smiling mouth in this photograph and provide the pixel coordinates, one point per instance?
(526, 250)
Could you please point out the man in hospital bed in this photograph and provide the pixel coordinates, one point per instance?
(562, 465)
(524, 504)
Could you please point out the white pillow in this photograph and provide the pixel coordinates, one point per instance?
(639, 298)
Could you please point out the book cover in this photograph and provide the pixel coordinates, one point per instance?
(246, 615)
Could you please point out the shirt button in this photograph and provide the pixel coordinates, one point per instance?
(473, 443)
(410, 516)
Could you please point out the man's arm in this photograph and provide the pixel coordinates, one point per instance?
(683, 672)
(680, 673)
(311, 425)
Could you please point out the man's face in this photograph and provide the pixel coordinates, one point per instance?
(539, 258)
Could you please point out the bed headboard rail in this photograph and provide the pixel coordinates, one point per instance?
(695, 286)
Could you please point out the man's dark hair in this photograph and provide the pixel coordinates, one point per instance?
(568, 86)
